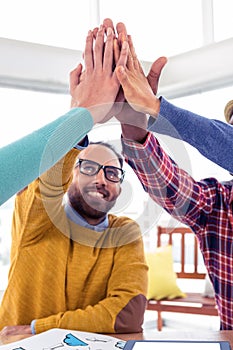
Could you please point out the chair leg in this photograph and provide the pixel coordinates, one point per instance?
(159, 321)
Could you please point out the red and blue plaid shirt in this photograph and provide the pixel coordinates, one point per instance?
(206, 206)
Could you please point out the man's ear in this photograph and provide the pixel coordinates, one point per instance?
(228, 112)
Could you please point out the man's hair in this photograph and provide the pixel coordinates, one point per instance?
(228, 112)
(111, 147)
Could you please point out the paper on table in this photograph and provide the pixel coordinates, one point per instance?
(63, 339)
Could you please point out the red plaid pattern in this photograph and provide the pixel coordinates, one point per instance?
(206, 206)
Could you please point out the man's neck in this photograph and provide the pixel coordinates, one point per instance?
(92, 221)
(97, 225)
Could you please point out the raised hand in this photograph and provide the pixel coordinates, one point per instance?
(97, 87)
(123, 112)
(135, 84)
(156, 68)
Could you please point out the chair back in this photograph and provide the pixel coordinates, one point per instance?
(168, 235)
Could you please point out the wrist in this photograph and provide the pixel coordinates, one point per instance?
(98, 112)
(153, 107)
(133, 133)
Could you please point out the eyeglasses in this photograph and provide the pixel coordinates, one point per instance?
(91, 168)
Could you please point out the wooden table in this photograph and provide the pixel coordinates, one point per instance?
(180, 335)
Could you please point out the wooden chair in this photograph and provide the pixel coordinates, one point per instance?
(193, 303)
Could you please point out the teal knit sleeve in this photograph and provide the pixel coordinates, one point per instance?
(25, 159)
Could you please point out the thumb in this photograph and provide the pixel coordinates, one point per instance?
(121, 75)
(75, 77)
(155, 72)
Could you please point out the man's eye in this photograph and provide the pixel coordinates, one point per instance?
(89, 169)
(112, 174)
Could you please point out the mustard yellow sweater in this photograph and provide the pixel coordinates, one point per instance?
(67, 276)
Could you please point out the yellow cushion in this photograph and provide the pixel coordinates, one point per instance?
(162, 277)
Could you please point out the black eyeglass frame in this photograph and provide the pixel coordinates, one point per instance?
(104, 167)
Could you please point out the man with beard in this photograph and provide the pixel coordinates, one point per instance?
(73, 265)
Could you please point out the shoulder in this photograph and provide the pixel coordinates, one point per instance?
(215, 183)
(123, 230)
(121, 221)
(222, 190)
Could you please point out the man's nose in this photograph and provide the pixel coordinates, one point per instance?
(100, 177)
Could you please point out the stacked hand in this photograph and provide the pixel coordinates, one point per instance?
(97, 87)
(113, 82)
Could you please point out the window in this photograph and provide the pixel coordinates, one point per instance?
(54, 22)
(24, 111)
(223, 19)
(159, 28)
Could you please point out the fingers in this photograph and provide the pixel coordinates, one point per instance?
(98, 48)
(75, 77)
(155, 72)
(122, 32)
(116, 50)
(108, 23)
(101, 56)
(122, 36)
(108, 52)
(88, 52)
(95, 31)
(134, 61)
(131, 56)
(123, 55)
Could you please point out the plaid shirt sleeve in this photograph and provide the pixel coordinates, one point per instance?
(168, 185)
(205, 206)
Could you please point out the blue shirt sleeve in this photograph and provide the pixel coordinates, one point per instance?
(212, 138)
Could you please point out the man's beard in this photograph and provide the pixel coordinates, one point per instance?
(86, 206)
